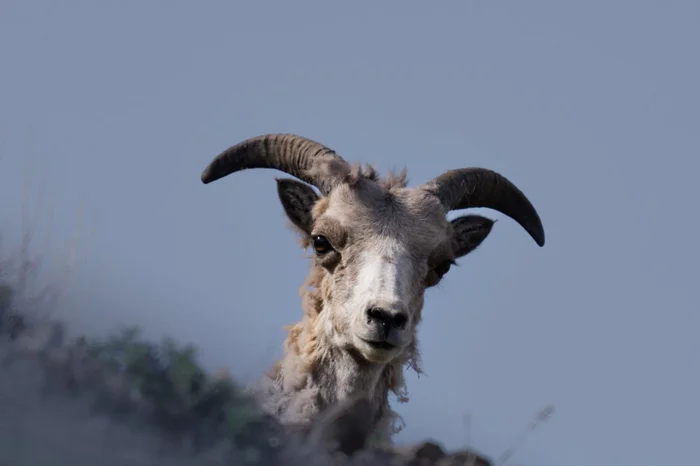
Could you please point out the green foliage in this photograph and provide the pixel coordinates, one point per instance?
(182, 394)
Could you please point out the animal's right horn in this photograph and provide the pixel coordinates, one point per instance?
(303, 158)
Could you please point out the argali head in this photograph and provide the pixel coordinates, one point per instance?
(378, 244)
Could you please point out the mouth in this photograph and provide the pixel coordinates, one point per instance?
(382, 345)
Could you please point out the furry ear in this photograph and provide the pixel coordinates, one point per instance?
(469, 232)
(297, 200)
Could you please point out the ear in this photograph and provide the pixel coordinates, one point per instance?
(468, 233)
(297, 200)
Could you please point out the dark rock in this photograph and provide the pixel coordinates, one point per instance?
(463, 458)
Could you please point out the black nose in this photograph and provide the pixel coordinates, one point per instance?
(387, 319)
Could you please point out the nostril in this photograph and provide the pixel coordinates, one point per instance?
(400, 320)
(387, 318)
(378, 314)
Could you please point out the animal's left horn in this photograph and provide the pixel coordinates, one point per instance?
(479, 187)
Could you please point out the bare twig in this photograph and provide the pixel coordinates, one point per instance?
(541, 417)
(38, 298)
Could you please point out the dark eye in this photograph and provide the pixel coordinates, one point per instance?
(443, 268)
(321, 245)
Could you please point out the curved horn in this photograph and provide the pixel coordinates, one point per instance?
(303, 158)
(479, 187)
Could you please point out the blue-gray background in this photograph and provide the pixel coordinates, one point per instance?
(590, 107)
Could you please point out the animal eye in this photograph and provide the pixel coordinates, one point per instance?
(321, 245)
(443, 268)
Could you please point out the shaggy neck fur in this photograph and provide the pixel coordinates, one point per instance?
(314, 374)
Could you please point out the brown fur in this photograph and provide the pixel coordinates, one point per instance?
(376, 225)
(378, 246)
(312, 291)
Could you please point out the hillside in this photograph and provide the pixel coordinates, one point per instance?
(128, 401)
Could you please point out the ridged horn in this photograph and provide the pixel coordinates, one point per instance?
(480, 187)
(295, 155)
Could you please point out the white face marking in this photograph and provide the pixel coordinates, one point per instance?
(382, 277)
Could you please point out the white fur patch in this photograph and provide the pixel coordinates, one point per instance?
(382, 277)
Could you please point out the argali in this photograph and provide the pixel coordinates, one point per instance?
(378, 245)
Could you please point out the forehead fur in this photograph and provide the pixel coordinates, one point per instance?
(371, 207)
(351, 174)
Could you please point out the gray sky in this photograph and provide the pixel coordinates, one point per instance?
(590, 107)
